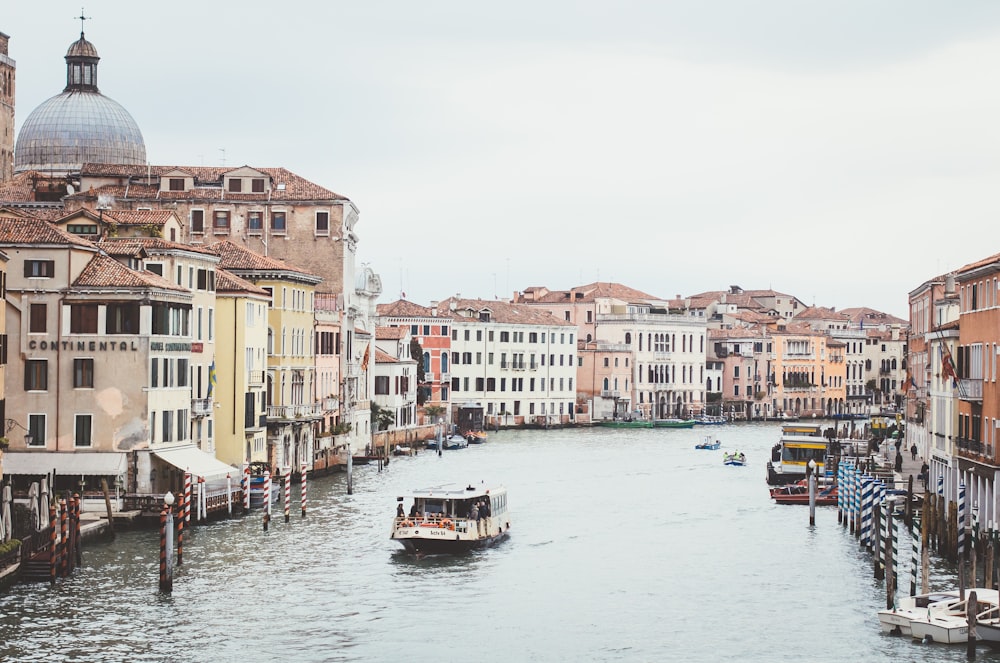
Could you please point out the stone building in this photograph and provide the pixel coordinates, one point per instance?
(7, 79)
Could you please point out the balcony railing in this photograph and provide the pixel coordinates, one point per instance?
(610, 393)
(201, 407)
(330, 403)
(255, 378)
(974, 447)
(970, 389)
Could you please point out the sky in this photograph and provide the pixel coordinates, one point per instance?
(841, 152)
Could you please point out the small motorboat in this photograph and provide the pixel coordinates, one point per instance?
(734, 458)
(951, 625)
(401, 450)
(475, 437)
(454, 441)
(896, 621)
(798, 493)
(709, 443)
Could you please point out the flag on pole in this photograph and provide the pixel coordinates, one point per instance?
(364, 360)
(947, 365)
(212, 379)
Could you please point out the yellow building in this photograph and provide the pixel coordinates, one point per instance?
(291, 368)
(241, 361)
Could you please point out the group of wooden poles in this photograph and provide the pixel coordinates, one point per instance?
(171, 522)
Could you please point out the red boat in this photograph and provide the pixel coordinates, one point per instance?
(798, 493)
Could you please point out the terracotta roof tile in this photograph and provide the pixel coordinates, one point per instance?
(503, 312)
(229, 282)
(235, 258)
(131, 245)
(139, 217)
(384, 357)
(105, 272)
(35, 231)
(390, 333)
(403, 309)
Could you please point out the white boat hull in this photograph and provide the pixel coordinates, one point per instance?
(945, 630)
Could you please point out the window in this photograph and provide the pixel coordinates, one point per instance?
(257, 185)
(122, 318)
(83, 430)
(81, 229)
(206, 279)
(235, 185)
(220, 219)
(155, 267)
(278, 223)
(382, 385)
(37, 319)
(197, 220)
(36, 429)
(83, 318)
(176, 184)
(322, 223)
(255, 222)
(36, 375)
(83, 373)
(39, 269)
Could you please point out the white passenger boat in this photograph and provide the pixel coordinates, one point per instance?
(897, 620)
(951, 625)
(452, 518)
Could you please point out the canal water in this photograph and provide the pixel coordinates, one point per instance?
(627, 545)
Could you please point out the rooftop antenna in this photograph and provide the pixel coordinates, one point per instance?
(223, 150)
(82, 19)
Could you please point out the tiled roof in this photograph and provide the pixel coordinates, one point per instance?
(590, 293)
(736, 332)
(295, 186)
(502, 312)
(106, 272)
(820, 313)
(390, 333)
(139, 217)
(229, 282)
(871, 316)
(131, 245)
(35, 231)
(403, 309)
(237, 258)
(384, 357)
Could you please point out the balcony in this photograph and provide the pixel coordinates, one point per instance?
(610, 393)
(201, 407)
(330, 404)
(974, 449)
(970, 389)
(255, 378)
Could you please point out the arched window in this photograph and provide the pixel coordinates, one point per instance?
(427, 362)
(444, 362)
(605, 384)
(628, 338)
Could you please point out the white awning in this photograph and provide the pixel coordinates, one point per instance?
(87, 463)
(192, 459)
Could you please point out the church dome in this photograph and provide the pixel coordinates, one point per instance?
(79, 126)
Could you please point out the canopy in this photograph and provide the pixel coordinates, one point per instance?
(87, 463)
(192, 459)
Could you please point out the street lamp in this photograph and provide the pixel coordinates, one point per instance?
(10, 424)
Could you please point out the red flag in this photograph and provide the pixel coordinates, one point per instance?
(947, 365)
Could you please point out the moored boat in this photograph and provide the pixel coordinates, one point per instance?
(475, 437)
(951, 625)
(896, 621)
(625, 423)
(709, 420)
(402, 450)
(452, 519)
(454, 441)
(674, 423)
(798, 444)
(734, 458)
(798, 493)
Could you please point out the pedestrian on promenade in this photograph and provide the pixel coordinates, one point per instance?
(899, 462)
(913, 451)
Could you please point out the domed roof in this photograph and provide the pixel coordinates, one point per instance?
(80, 125)
(82, 48)
(74, 128)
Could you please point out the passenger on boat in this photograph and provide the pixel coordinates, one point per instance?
(399, 510)
(474, 515)
(413, 510)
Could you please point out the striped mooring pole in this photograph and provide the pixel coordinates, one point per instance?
(246, 489)
(961, 520)
(267, 498)
(914, 553)
(304, 490)
(288, 493)
(186, 511)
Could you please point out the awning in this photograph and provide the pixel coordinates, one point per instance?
(87, 463)
(192, 459)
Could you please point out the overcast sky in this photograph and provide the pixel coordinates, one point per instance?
(842, 152)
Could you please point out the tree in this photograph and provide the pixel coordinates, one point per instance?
(417, 353)
(382, 418)
(433, 412)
